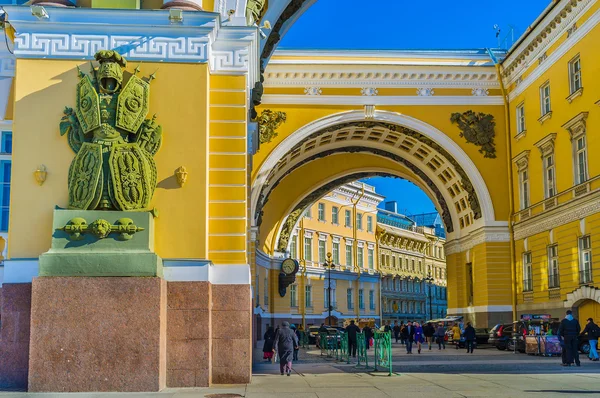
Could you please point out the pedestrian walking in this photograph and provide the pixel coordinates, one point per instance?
(408, 334)
(593, 332)
(368, 332)
(396, 330)
(322, 329)
(352, 330)
(428, 332)
(469, 335)
(568, 333)
(456, 334)
(269, 338)
(286, 342)
(402, 326)
(419, 338)
(387, 327)
(440, 336)
(297, 348)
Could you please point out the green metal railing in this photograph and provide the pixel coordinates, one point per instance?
(383, 351)
(323, 343)
(344, 349)
(361, 351)
(332, 346)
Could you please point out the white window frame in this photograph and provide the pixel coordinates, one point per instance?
(307, 248)
(527, 272)
(585, 259)
(335, 215)
(321, 211)
(360, 257)
(359, 221)
(322, 251)
(580, 159)
(294, 247)
(553, 271)
(549, 175)
(575, 82)
(545, 100)
(348, 255)
(371, 258)
(294, 296)
(348, 219)
(521, 126)
(308, 296)
(335, 251)
(349, 302)
(369, 223)
(524, 188)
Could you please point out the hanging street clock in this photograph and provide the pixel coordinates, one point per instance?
(287, 276)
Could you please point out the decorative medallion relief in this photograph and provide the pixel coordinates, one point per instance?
(425, 92)
(480, 92)
(100, 228)
(313, 91)
(369, 91)
(479, 129)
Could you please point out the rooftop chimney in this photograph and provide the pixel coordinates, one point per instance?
(391, 206)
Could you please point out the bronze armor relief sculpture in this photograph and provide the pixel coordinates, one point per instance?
(114, 143)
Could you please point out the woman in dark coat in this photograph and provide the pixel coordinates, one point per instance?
(285, 343)
(268, 347)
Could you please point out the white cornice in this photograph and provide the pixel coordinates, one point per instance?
(456, 57)
(304, 75)
(575, 210)
(284, 99)
(476, 237)
(558, 53)
(543, 36)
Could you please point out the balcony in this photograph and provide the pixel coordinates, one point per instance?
(585, 276)
(527, 285)
(553, 281)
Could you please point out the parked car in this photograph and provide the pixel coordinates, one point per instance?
(482, 336)
(313, 332)
(500, 335)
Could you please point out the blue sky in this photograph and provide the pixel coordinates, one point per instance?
(404, 24)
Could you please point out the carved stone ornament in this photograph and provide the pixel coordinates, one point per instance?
(425, 92)
(479, 129)
(268, 122)
(100, 228)
(369, 91)
(480, 92)
(114, 143)
(181, 174)
(313, 90)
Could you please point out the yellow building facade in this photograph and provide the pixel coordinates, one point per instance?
(551, 79)
(342, 223)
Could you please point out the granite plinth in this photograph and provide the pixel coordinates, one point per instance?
(118, 254)
(98, 334)
(15, 311)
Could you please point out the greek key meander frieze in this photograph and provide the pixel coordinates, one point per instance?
(177, 49)
(548, 222)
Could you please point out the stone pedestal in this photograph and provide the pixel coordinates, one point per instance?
(126, 251)
(98, 334)
(14, 335)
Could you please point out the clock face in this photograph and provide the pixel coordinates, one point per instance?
(288, 266)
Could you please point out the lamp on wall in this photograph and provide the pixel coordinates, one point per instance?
(39, 12)
(40, 174)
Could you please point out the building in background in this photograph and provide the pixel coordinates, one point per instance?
(331, 225)
(412, 265)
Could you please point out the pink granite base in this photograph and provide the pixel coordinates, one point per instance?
(15, 308)
(98, 334)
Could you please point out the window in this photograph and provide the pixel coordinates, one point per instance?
(349, 299)
(361, 300)
(308, 249)
(322, 251)
(370, 258)
(413, 265)
(524, 182)
(575, 74)
(348, 219)
(549, 181)
(308, 296)
(585, 259)
(321, 211)
(293, 296)
(335, 252)
(326, 303)
(348, 255)
(334, 215)
(359, 218)
(521, 118)
(5, 176)
(369, 224)
(294, 247)
(393, 261)
(257, 291)
(545, 98)
(360, 262)
(372, 300)
(580, 160)
(553, 279)
(308, 213)
(266, 291)
(527, 276)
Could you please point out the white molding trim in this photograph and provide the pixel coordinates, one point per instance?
(488, 215)
(202, 270)
(476, 237)
(581, 294)
(285, 99)
(575, 210)
(438, 57)
(558, 53)
(479, 308)
(545, 35)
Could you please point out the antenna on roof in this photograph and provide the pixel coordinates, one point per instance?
(498, 30)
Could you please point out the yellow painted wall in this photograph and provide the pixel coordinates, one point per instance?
(179, 96)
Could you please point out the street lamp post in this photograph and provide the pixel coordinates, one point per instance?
(329, 265)
(429, 280)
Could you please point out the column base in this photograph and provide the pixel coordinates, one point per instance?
(97, 334)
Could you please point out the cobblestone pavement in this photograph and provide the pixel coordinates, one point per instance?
(450, 373)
